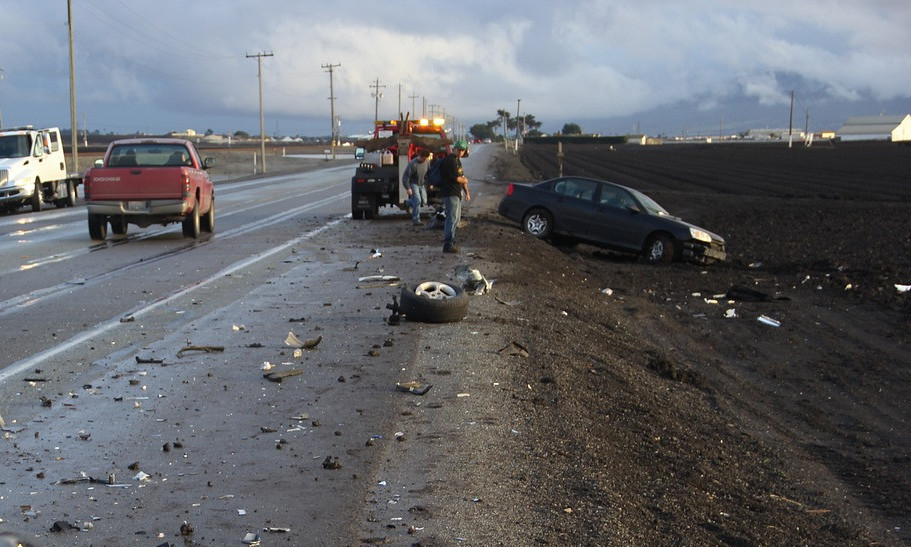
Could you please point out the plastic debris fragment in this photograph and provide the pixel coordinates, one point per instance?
(295, 342)
(764, 319)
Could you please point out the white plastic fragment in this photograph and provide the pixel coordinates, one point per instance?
(608, 292)
(730, 313)
(141, 476)
(768, 321)
(902, 288)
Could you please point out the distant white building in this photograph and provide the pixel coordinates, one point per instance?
(877, 128)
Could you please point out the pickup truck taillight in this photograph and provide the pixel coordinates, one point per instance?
(185, 179)
(509, 189)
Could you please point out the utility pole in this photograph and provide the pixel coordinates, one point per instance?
(262, 121)
(1, 113)
(330, 68)
(400, 99)
(376, 95)
(74, 136)
(791, 122)
(518, 104)
(414, 114)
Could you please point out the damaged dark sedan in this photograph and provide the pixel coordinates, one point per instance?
(608, 215)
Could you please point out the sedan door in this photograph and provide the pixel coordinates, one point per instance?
(574, 205)
(619, 221)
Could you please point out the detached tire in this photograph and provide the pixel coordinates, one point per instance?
(434, 302)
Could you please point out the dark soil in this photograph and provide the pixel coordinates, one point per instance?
(665, 421)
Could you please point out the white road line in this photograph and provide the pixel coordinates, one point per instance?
(12, 305)
(101, 328)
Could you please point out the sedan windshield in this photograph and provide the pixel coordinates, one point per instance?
(650, 205)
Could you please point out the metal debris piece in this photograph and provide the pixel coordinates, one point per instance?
(413, 387)
(63, 526)
(148, 361)
(206, 349)
(83, 477)
(514, 348)
(251, 539)
(295, 342)
(127, 319)
(330, 463)
(472, 280)
(280, 375)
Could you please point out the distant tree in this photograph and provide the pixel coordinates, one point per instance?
(572, 129)
(209, 132)
(482, 131)
(241, 135)
(530, 124)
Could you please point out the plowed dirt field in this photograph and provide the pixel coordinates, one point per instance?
(670, 410)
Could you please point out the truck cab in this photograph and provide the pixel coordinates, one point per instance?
(377, 181)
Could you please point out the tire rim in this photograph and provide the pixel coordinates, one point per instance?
(657, 250)
(435, 290)
(536, 224)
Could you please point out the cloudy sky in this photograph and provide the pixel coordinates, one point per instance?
(612, 66)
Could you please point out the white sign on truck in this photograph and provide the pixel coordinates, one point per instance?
(33, 170)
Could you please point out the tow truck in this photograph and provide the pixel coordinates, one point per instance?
(33, 169)
(377, 182)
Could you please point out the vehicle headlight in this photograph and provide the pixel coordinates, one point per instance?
(700, 235)
(4, 177)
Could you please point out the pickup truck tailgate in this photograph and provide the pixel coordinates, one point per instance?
(139, 183)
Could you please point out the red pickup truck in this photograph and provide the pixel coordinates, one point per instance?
(150, 181)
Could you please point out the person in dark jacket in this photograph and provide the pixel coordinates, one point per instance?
(455, 184)
(414, 175)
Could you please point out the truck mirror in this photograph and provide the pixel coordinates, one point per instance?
(359, 153)
(99, 163)
(208, 162)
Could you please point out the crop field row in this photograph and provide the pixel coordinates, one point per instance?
(869, 171)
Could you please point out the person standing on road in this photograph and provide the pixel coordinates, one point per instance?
(413, 177)
(454, 184)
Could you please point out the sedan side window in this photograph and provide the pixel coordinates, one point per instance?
(616, 197)
(577, 188)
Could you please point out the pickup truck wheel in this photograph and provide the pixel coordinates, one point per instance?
(36, 198)
(357, 214)
(98, 227)
(119, 226)
(207, 223)
(191, 224)
(434, 302)
(538, 223)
